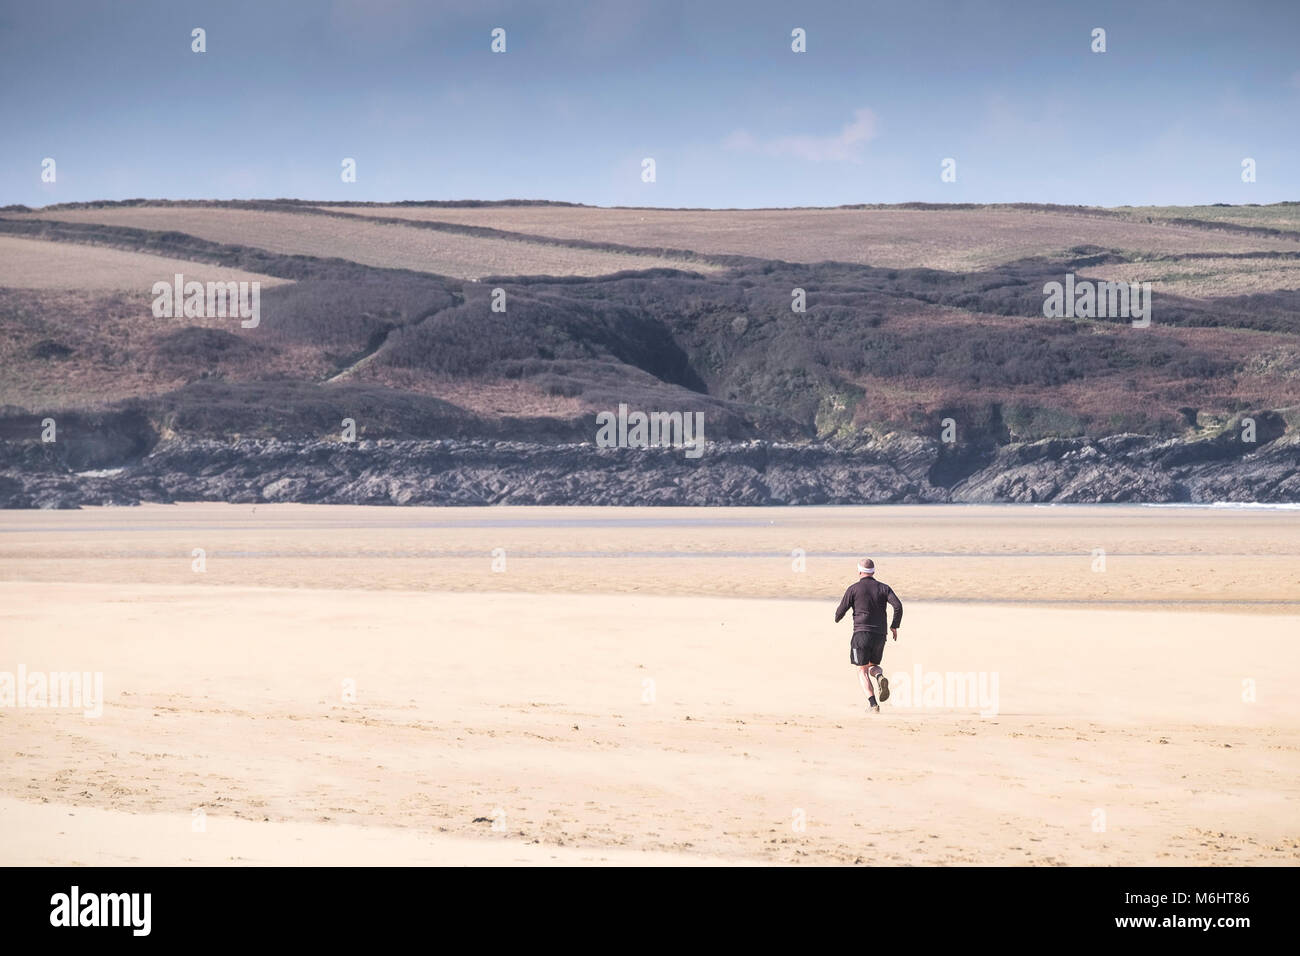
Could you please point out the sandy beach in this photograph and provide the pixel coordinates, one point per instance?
(1073, 685)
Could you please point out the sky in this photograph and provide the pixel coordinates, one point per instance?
(711, 91)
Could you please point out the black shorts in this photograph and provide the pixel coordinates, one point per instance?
(866, 649)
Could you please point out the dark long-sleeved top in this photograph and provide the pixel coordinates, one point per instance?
(868, 598)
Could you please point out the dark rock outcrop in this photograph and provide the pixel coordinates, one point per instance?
(890, 469)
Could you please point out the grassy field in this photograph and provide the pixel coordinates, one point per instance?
(36, 264)
(956, 240)
(383, 245)
(1203, 278)
(1275, 216)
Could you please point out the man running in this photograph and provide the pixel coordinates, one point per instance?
(868, 598)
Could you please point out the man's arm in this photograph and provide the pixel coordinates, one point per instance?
(845, 604)
(897, 605)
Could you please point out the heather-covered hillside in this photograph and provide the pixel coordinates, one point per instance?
(432, 322)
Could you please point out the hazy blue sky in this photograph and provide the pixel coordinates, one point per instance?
(711, 91)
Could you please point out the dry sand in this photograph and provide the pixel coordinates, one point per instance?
(650, 686)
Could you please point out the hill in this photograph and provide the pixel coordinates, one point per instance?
(915, 319)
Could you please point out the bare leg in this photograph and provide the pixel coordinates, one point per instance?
(864, 678)
(874, 670)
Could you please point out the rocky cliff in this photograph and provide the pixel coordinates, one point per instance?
(888, 469)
